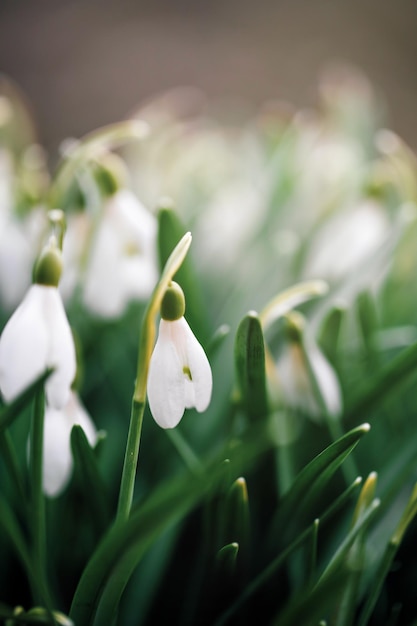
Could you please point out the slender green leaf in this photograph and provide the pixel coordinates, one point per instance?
(85, 464)
(305, 536)
(384, 566)
(250, 366)
(341, 554)
(381, 386)
(313, 479)
(102, 583)
(11, 411)
(308, 606)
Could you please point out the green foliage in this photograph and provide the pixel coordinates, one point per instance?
(256, 510)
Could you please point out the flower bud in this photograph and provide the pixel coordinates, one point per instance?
(110, 174)
(48, 267)
(173, 303)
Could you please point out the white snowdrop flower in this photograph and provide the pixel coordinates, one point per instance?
(122, 266)
(295, 380)
(179, 372)
(347, 240)
(57, 456)
(38, 337)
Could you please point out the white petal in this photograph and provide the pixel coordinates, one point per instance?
(166, 389)
(77, 414)
(197, 361)
(103, 292)
(24, 345)
(61, 354)
(328, 381)
(57, 456)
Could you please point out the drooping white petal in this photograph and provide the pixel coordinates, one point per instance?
(57, 457)
(38, 337)
(24, 345)
(294, 381)
(166, 389)
(199, 366)
(103, 292)
(327, 381)
(61, 353)
(179, 374)
(122, 264)
(297, 387)
(77, 414)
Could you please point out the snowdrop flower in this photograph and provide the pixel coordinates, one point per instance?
(179, 372)
(347, 240)
(122, 265)
(294, 377)
(38, 337)
(57, 457)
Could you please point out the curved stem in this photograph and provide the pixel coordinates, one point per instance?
(127, 484)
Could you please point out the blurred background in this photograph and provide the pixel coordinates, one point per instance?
(84, 63)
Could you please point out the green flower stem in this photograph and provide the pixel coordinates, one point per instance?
(146, 345)
(37, 497)
(107, 137)
(131, 460)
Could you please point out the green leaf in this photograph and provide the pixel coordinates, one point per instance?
(388, 556)
(266, 574)
(308, 607)
(312, 480)
(381, 386)
(85, 464)
(102, 583)
(11, 411)
(236, 520)
(250, 366)
(226, 560)
(10, 528)
(341, 555)
(330, 331)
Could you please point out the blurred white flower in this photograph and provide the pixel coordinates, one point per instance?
(346, 240)
(19, 238)
(57, 456)
(179, 374)
(37, 337)
(297, 388)
(122, 265)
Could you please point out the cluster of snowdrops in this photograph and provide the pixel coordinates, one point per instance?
(257, 268)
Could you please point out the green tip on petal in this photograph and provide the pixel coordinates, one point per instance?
(48, 267)
(173, 303)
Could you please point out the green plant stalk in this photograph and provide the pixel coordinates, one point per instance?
(131, 460)
(37, 498)
(146, 345)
